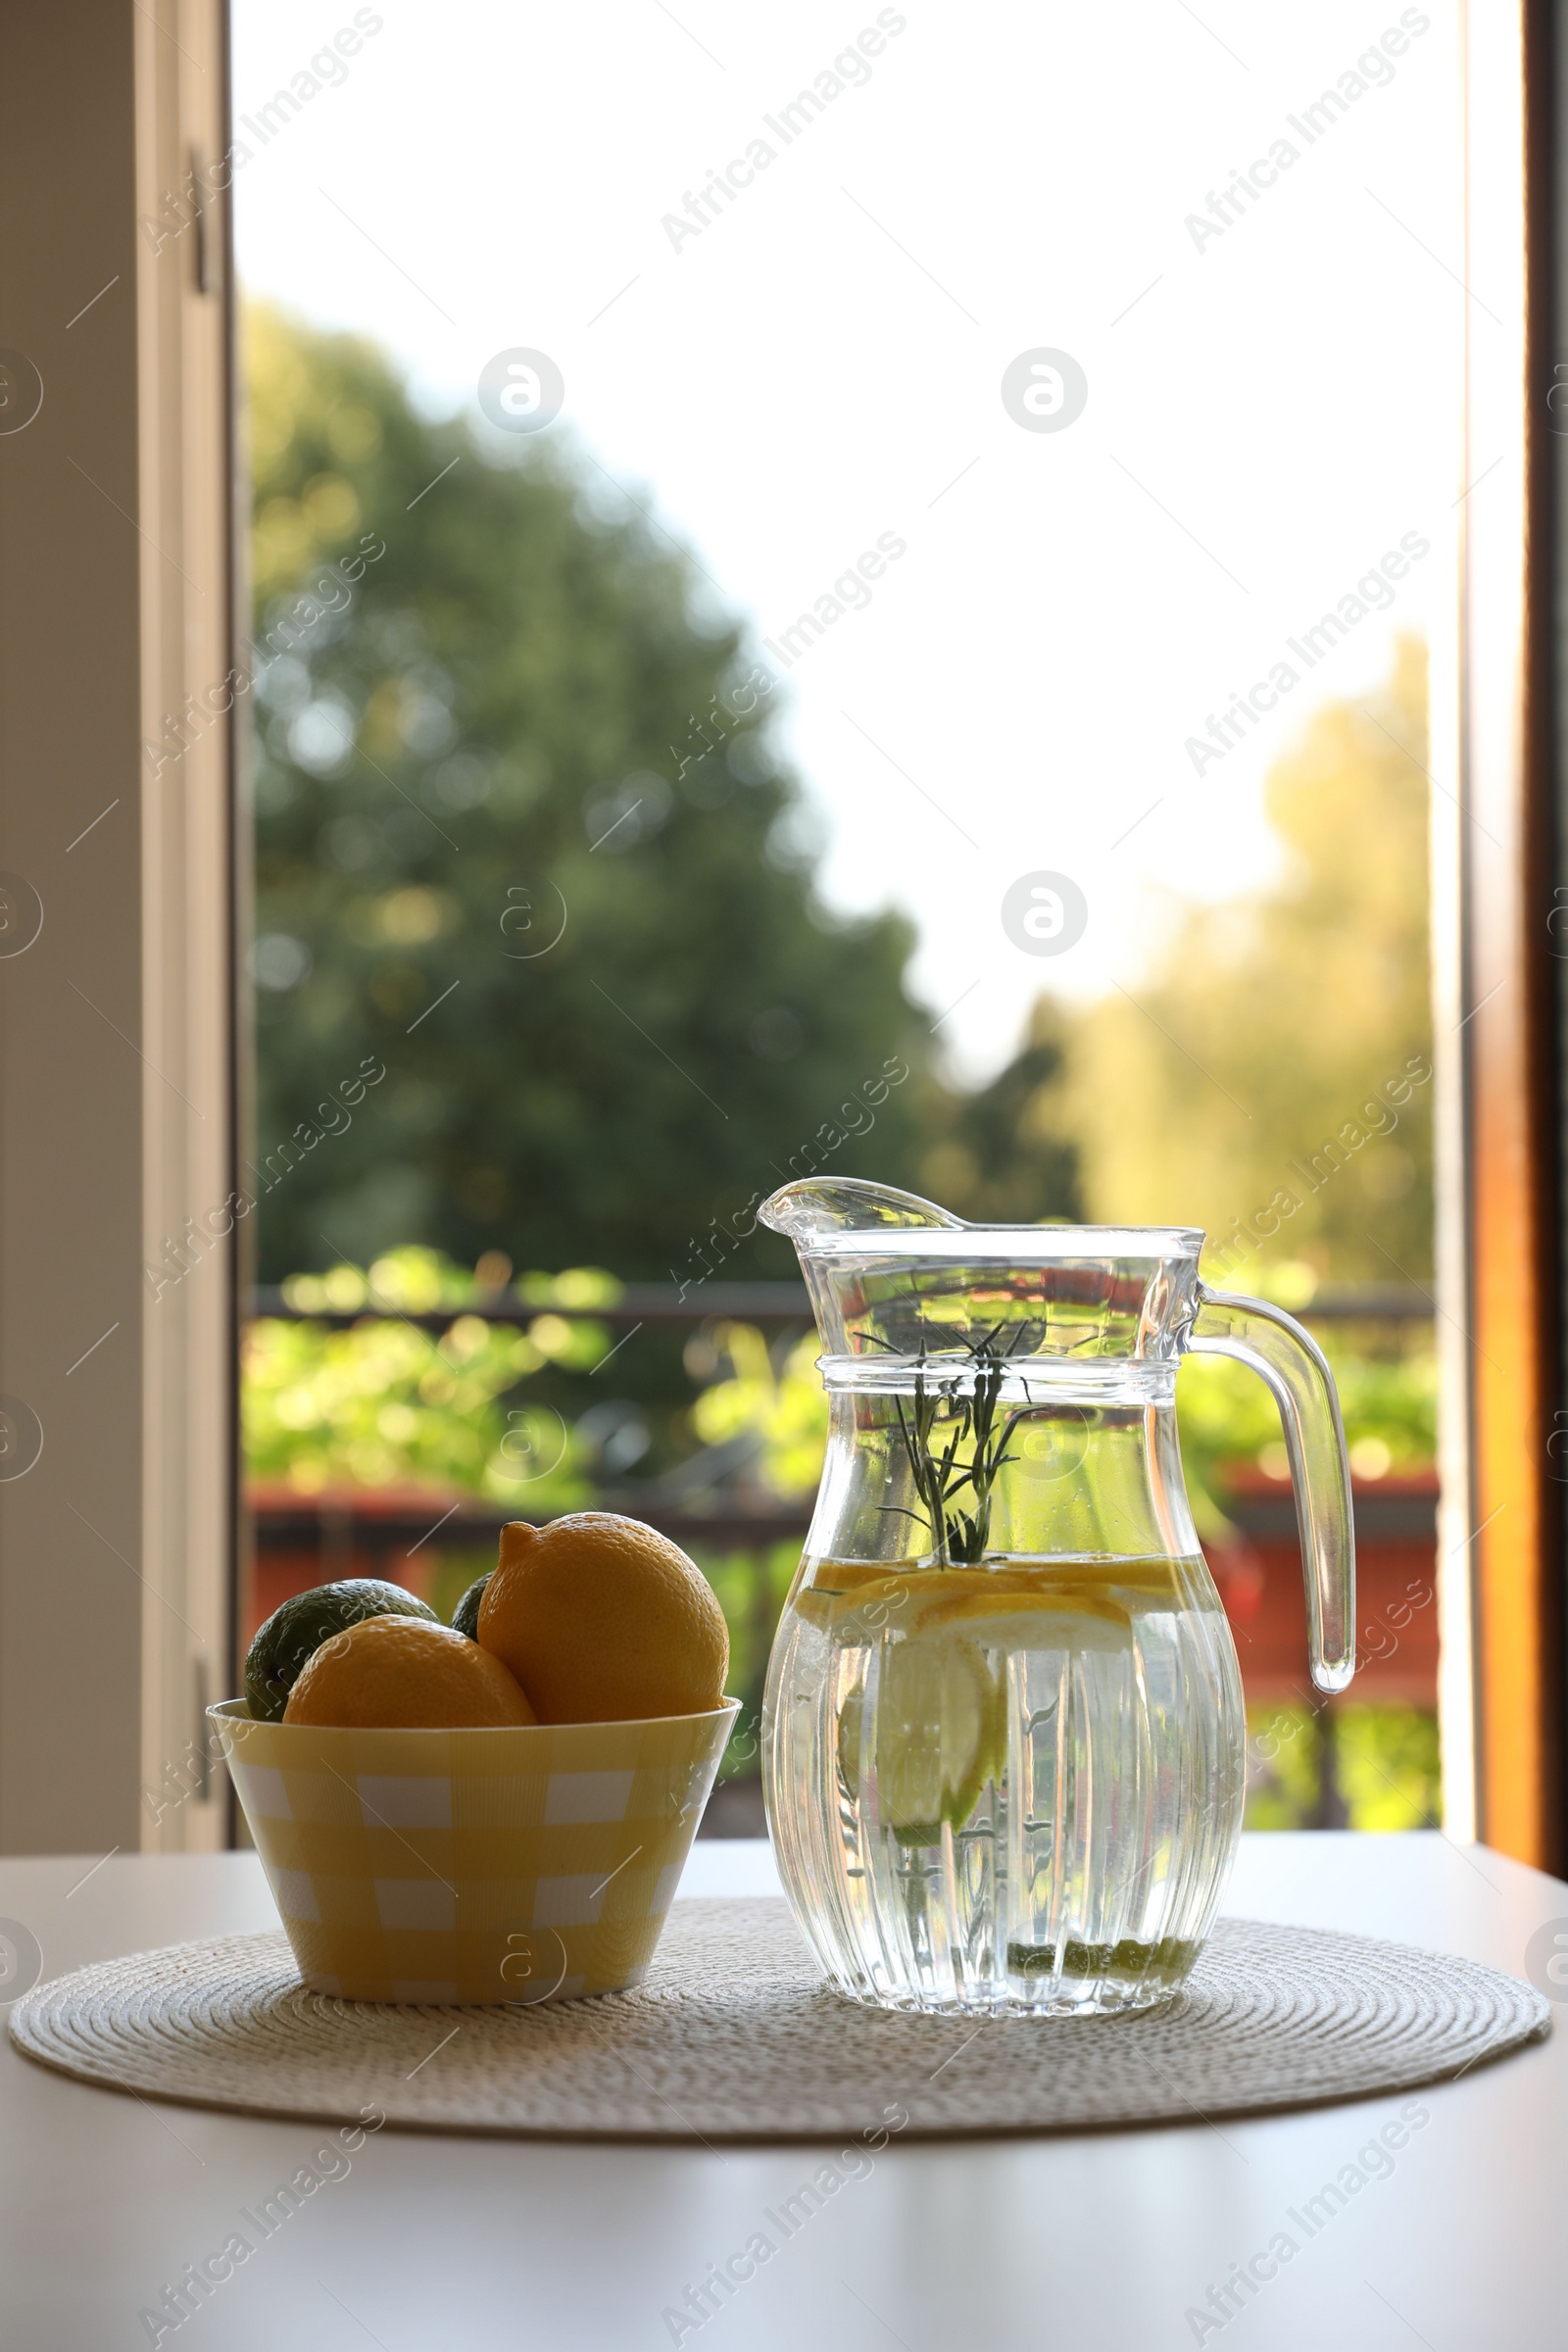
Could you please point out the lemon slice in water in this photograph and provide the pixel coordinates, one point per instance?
(1061, 1620)
(940, 1734)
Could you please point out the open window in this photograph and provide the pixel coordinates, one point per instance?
(539, 827)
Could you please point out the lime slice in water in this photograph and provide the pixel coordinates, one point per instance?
(941, 1731)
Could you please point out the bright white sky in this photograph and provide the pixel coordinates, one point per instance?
(822, 365)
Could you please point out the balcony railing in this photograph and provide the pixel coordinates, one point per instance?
(772, 1305)
(709, 1507)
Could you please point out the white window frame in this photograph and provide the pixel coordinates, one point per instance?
(117, 1120)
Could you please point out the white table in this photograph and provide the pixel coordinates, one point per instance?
(431, 2245)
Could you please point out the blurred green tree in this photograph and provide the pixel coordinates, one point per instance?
(522, 843)
(1000, 1155)
(1270, 1080)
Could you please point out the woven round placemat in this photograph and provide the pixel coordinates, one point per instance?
(734, 2037)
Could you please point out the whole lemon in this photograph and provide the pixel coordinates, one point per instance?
(405, 1673)
(303, 1623)
(604, 1620)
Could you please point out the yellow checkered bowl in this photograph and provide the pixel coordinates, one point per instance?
(532, 1863)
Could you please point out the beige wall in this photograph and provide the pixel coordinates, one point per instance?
(116, 1115)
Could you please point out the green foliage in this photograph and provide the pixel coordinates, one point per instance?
(751, 1587)
(388, 1405)
(1225, 1411)
(451, 1569)
(1284, 1767)
(1277, 1030)
(1385, 1762)
(999, 1155)
(1226, 1415)
(1389, 1767)
(485, 723)
(415, 1281)
(786, 1409)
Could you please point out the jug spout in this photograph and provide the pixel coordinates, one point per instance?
(892, 1275)
(810, 1211)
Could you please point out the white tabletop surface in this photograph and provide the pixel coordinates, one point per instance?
(433, 2244)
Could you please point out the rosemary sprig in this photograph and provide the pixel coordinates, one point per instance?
(964, 1415)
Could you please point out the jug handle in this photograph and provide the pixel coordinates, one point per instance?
(1275, 1345)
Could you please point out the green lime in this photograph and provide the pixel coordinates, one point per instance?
(466, 1616)
(941, 1734)
(303, 1623)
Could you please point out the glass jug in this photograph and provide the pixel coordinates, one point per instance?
(1003, 1743)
